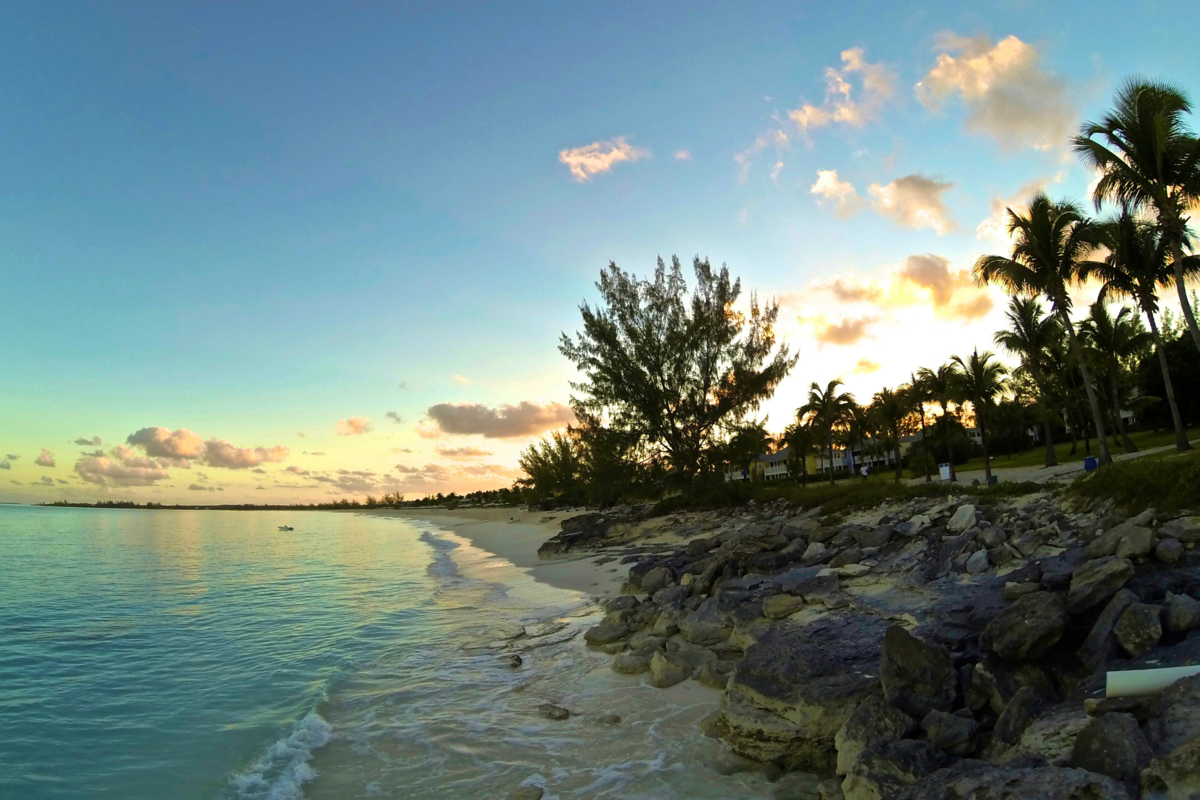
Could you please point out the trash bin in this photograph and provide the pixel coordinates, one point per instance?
(993, 480)
(945, 470)
(1090, 463)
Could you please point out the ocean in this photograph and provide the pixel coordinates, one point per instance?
(207, 654)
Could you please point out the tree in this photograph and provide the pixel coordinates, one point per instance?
(801, 440)
(1051, 243)
(1030, 335)
(552, 466)
(1115, 341)
(829, 409)
(892, 408)
(918, 395)
(1148, 159)
(980, 378)
(681, 370)
(1135, 266)
(942, 388)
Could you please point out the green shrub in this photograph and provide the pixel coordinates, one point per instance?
(1168, 483)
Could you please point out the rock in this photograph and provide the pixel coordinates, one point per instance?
(634, 662)
(703, 626)
(514, 661)
(606, 634)
(698, 547)
(527, 793)
(671, 596)
(1100, 645)
(657, 578)
(647, 639)
(608, 719)
(1028, 629)
(1052, 735)
(992, 537)
(830, 789)
(890, 765)
(992, 683)
(1175, 719)
(551, 711)
(851, 555)
(813, 551)
(1176, 776)
(1135, 542)
(1113, 745)
(873, 721)
(978, 562)
(1185, 529)
(1014, 591)
(667, 624)
(668, 669)
(977, 780)
(963, 519)
(1139, 629)
(625, 602)
(1097, 581)
(778, 606)
(854, 570)
(916, 677)
(1000, 555)
(1028, 543)
(1168, 551)
(1020, 712)
(877, 537)
(797, 786)
(715, 674)
(1180, 613)
(950, 733)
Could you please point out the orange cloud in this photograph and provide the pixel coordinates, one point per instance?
(353, 426)
(599, 157)
(866, 367)
(848, 331)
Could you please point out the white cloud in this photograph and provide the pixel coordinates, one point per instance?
(866, 366)
(1007, 94)
(503, 422)
(682, 155)
(162, 443)
(839, 105)
(913, 201)
(745, 159)
(840, 193)
(353, 426)
(461, 380)
(461, 452)
(46, 459)
(599, 157)
(994, 229)
(106, 471)
(220, 453)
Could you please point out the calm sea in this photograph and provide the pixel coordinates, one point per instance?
(206, 654)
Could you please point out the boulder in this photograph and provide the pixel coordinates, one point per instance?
(963, 519)
(703, 626)
(950, 733)
(527, 793)
(625, 602)
(667, 624)
(1135, 542)
(715, 674)
(978, 780)
(778, 606)
(1014, 591)
(1021, 711)
(1185, 529)
(668, 669)
(890, 765)
(992, 537)
(551, 711)
(873, 721)
(874, 537)
(851, 555)
(606, 634)
(634, 662)
(1176, 776)
(698, 547)
(1180, 613)
(1028, 629)
(797, 786)
(646, 639)
(1096, 581)
(978, 562)
(813, 551)
(1052, 735)
(1175, 718)
(1139, 629)
(1168, 551)
(671, 596)
(916, 677)
(657, 578)
(1100, 645)
(1113, 745)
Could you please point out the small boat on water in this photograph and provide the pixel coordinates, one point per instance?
(286, 528)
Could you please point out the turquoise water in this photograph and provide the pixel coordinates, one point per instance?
(205, 654)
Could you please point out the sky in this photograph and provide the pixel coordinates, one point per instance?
(284, 252)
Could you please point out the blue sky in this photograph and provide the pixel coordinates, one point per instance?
(251, 222)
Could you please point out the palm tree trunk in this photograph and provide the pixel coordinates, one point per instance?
(1184, 304)
(987, 467)
(925, 444)
(831, 456)
(1051, 456)
(1126, 442)
(1097, 417)
(1181, 440)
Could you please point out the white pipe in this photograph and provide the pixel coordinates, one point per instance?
(1140, 682)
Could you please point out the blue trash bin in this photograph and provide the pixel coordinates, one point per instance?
(1090, 463)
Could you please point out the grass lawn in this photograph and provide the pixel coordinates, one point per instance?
(1036, 457)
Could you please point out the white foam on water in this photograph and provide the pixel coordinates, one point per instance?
(284, 768)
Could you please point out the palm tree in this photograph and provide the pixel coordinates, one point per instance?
(1030, 336)
(1115, 341)
(1050, 244)
(829, 409)
(942, 388)
(801, 440)
(891, 408)
(1135, 266)
(918, 395)
(981, 380)
(1148, 159)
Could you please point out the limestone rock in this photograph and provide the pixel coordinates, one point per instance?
(606, 634)
(527, 793)
(671, 596)
(963, 519)
(873, 721)
(1175, 719)
(877, 537)
(1135, 542)
(890, 765)
(657, 578)
(703, 626)
(1139, 629)
(1185, 529)
(551, 711)
(813, 550)
(978, 780)
(916, 677)
(634, 662)
(1014, 591)
(1052, 735)
(1100, 644)
(1175, 776)
(668, 669)
(1168, 551)
(1028, 629)
(646, 639)
(1113, 745)
(1097, 581)
(992, 537)
(1181, 613)
(778, 606)
(715, 674)
(978, 562)
(797, 786)
(1020, 712)
(667, 623)
(950, 733)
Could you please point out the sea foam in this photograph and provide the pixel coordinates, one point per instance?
(280, 772)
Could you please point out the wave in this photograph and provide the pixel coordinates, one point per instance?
(284, 768)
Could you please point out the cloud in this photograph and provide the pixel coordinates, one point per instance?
(5, 465)
(220, 453)
(106, 471)
(195, 487)
(296, 470)
(921, 279)
(428, 432)
(46, 459)
(913, 201)
(682, 155)
(461, 452)
(260, 486)
(504, 422)
(353, 426)
(60, 480)
(459, 379)
(394, 417)
(401, 450)
(403, 386)
(11, 457)
(745, 159)
(162, 443)
(47, 480)
(866, 367)
(301, 435)
(953, 292)
(995, 228)
(840, 193)
(1007, 95)
(839, 105)
(599, 157)
(92, 442)
(848, 331)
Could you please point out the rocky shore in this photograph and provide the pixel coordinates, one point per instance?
(922, 650)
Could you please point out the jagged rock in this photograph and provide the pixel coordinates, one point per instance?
(1113, 745)
(1176, 776)
(813, 551)
(1185, 529)
(797, 786)
(1028, 543)
(1000, 555)
(963, 519)
(1168, 551)
(704, 626)
(698, 547)
(778, 606)
(830, 789)
(606, 634)
(671, 596)
(1022, 710)
(1014, 591)
(625, 602)
(977, 780)
(992, 537)
(715, 674)
(950, 733)
(668, 669)
(873, 721)
(634, 662)
(1096, 581)
(1139, 629)
(890, 765)
(667, 623)
(657, 578)
(1028, 629)
(1052, 736)
(551, 711)
(514, 661)
(916, 677)
(1100, 645)
(877, 537)
(1181, 613)
(1135, 542)
(527, 793)
(978, 562)
(1176, 716)
(608, 719)
(646, 639)
(851, 555)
